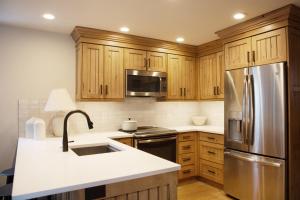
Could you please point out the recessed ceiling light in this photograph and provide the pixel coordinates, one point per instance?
(124, 29)
(48, 16)
(180, 39)
(239, 16)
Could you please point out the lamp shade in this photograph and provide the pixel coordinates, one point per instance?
(59, 100)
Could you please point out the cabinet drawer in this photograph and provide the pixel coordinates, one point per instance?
(187, 171)
(211, 171)
(186, 136)
(187, 159)
(127, 141)
(212, 152)
(186, 147)
(214, 138)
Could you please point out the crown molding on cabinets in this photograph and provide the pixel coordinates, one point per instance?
(282, 17)
(209, 48)
(96, 36)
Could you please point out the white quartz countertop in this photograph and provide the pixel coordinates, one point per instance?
(43, 169)
(205, 128)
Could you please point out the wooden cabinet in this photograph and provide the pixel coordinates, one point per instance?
(211, 76)
(100, 73)
(181, 77)
(186, 154)
(91, 69)
(127, 141)
(157, 61)
(269, 47)
(237, 54)
(265, 48)
(135, 59)
(143, 60)
(211, 156)
(113, 73)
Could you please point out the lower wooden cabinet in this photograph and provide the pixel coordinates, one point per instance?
(187, 172)
(127, 141)
(211, 171)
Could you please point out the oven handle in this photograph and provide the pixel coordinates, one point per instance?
(155, 140)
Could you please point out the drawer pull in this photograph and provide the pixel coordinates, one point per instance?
(211, 152)
(211, 138)
(186, 147)
(186, 159)
(186, 137)
(187, 171)
(212, 172)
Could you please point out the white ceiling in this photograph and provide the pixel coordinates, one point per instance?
(195, 20)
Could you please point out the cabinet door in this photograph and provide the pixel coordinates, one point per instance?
(92, 71)
(189, 78)
(157, 61)
(220, 75)
(237, 54)
(175, 90)
(113, 73)
(207, 77)
(135, 59)
(269, 47)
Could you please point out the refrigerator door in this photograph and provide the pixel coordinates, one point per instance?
(236, 95)
(267, 94)
(248, 176)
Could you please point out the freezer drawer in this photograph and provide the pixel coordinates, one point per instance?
(248, 176)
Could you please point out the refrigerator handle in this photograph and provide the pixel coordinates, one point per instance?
(251, 110)
(239, 156)
(244, 110)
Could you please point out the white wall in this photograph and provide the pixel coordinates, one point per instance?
(31, 64)
(34, 62)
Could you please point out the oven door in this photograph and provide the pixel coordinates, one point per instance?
(146, 83)
(161, 147)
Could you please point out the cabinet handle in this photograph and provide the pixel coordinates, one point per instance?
(149, 63)
(187, 171)
(248, 56)
(253, 56)
(218, 92)
(181, 92)
(214, 90)
(186, 147)
(106, 89)
(101, 89)
(145, 63)
(211, 152)
(212, 172)
(186, 159)
(184, 91)
(211, 138)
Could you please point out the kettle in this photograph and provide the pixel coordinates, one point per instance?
(129, 125)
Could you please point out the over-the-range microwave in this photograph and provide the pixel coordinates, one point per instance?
(140, 83)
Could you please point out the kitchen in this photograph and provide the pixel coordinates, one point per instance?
(113, 75)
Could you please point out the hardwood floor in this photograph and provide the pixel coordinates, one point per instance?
(193, 189)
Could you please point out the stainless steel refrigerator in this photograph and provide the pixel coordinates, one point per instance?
(255, 132)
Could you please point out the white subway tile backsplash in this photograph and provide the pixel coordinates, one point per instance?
(108, 116)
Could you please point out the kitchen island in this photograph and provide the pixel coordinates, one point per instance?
(42, 169)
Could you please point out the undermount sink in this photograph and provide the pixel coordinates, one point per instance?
(90, 150)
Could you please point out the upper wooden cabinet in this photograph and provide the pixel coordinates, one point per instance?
(181, 77)
(157, 61)
(265, 48)
(135, 59)
(269, 47)
(237, 54)
(211, 76)
(100, 72)
(113, 73)
(143, 60)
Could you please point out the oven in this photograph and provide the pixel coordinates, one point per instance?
(140, 83)
(161, 146)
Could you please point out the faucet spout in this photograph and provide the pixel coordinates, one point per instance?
(65, 133)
